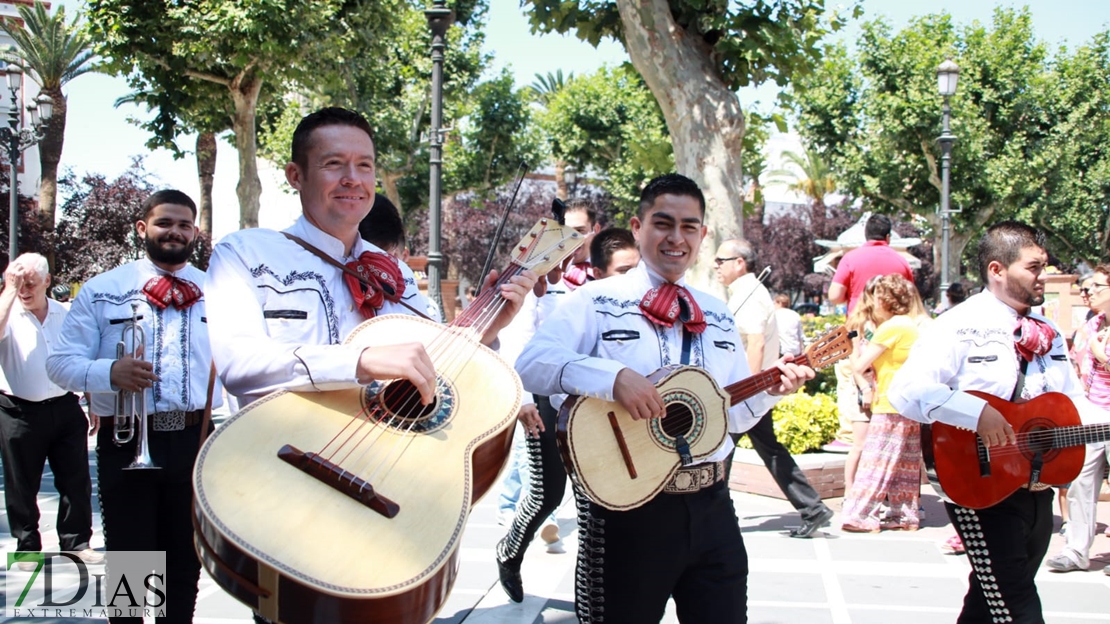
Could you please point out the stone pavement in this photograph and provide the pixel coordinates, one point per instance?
(835, 578)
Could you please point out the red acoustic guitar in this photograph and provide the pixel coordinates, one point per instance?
(1049, 450)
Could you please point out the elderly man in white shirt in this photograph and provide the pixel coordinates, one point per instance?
(751, 304)
(39, 420)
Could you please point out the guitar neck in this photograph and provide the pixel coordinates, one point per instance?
(480, 313)
(747, 388)
(1078, 435)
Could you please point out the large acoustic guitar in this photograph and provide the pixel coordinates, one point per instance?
(1049, 450)
(348, 506)
(622, 463)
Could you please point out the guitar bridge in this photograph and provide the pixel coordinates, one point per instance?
(333, 476)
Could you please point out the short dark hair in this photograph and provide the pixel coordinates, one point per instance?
(583, 205)
(383, 226)
(957, 294)
(669, 184)
(330, 116)
(877, 228)
(1003, 243)
(167, 196)
(608, 242)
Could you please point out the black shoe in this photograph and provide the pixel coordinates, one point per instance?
(510, 580)
(809, 527)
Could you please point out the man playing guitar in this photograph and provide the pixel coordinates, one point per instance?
(993, 343)
(600, 342)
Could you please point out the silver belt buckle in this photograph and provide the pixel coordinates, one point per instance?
(168, 421)
(692, 479)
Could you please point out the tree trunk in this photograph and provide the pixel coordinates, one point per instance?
(703, 116)
(244, 92)
(50, 154)
(389, 185)
(560, 179)
(206, 171)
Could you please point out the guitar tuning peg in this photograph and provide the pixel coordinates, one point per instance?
(524, 247)
(546, 258)
(562, 246)
(543, 221)
(532, 234)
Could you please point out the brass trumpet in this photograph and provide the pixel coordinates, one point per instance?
(131, 406)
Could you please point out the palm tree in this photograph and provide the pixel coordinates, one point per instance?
(816, 181)
(544, 88)
(55, 53)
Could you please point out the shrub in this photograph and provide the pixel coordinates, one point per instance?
(816, 326)
(803, 422)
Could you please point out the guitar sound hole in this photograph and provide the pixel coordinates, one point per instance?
(401, 400)
(678, 421)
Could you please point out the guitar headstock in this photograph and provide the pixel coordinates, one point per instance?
(546, 245)
(830, 348)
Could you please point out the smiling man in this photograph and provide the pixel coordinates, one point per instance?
(994, 343)
(601, 342)
(147, 510)
(281, 303)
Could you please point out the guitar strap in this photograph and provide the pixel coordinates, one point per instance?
(680, 443)
(1023, 366)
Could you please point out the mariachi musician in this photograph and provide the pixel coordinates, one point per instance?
(601, 342)
(145, 453)
(281, 303)
(995, 344)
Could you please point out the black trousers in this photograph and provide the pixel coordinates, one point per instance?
(546, 486)
(1005, 545)
(683, 545)
(789, 477)
(32, 434)
(151, 510)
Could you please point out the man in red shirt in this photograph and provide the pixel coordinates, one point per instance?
(875, 257)
(858, 266)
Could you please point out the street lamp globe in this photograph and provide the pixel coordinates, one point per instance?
(570, 175)
(46, 107)
(947, 75)
(15, 76)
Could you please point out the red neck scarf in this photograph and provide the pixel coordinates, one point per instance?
(167, 290)
(666, 304)
(577, 274)
(1033, 337)
(383, 281)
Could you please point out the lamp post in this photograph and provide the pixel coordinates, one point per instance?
(570, 177)
(440, 19)
(17, 139)
(947, 75)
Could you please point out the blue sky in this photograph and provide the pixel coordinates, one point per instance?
(99, 138)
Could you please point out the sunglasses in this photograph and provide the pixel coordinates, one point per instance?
(720, 261)
(1094, 288)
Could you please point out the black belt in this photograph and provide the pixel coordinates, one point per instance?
(190, 418)
(16, 399)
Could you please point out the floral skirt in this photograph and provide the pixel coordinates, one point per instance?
(889, 472)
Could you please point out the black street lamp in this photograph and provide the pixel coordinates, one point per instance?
(947, 75)
(17, 139)
(440, 19)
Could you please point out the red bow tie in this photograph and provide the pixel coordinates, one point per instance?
(383, 281)
(668, 303)
(1033, 337)
(577, 274)
(167, 290)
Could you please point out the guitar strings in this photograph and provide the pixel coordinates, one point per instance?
(1070, 433)
(441, 344)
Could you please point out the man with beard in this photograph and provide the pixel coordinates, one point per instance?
(147, 510)
(994, 343)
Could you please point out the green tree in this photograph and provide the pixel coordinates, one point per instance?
(876, 116)
(236, 44)
(693, 55)
(56, 53)
(544, 88)
(609, 122)
(812, 178)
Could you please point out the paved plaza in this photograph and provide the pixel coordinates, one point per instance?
(835, 578)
